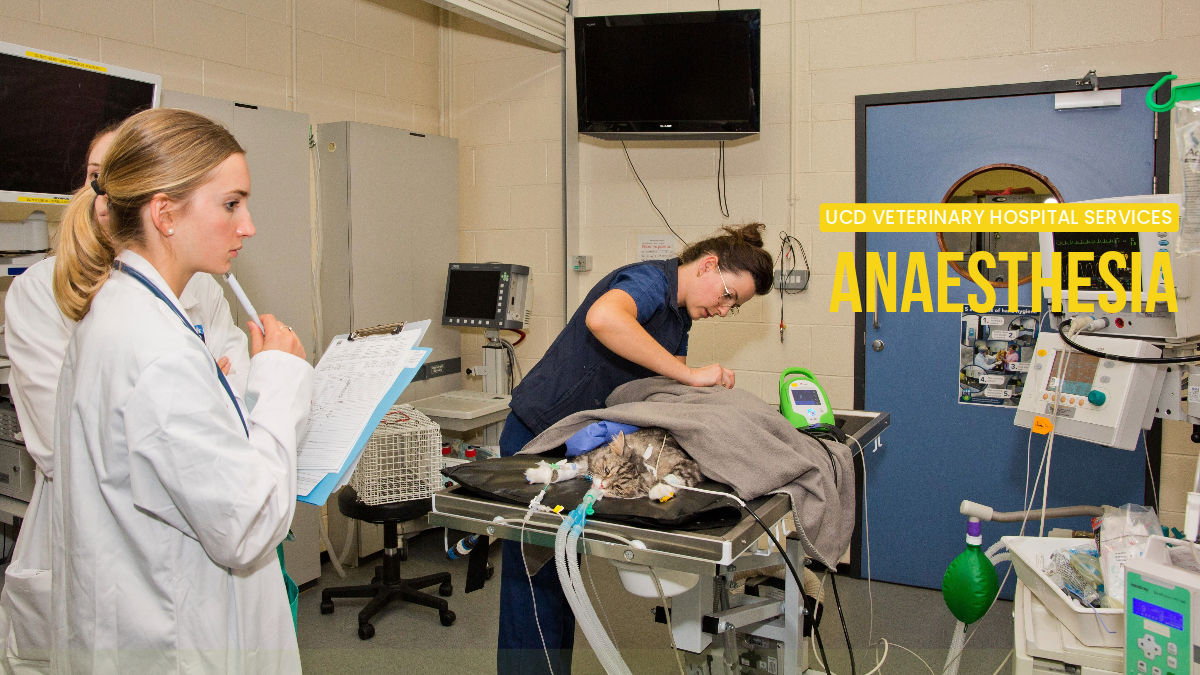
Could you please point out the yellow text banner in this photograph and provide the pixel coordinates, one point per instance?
(1103, 217)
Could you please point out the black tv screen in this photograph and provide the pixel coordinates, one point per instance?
(51, 112)
(683, 73)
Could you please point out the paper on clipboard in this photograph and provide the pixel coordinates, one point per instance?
(327, 483)
(356, 381)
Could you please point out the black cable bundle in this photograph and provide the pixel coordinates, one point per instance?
(787, 250)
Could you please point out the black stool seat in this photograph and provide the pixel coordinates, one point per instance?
(387, 585)
(352, 507)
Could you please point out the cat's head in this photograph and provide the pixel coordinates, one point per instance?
(613, 469)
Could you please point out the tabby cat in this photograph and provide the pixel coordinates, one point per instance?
(645, 463)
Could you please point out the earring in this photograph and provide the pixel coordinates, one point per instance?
(170, 232)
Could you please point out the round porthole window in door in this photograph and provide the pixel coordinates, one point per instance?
(998, 184)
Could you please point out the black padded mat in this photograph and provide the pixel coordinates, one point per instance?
(504, 478)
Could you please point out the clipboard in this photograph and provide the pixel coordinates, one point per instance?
(320, 493)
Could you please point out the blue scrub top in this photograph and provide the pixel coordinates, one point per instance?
(578, 372)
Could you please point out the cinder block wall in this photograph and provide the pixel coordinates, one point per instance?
(506, 108)
(382, 62)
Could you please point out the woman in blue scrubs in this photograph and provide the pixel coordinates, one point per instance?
(633, 324)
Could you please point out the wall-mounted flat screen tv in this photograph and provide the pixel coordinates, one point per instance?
(52, 105)
(674, 76)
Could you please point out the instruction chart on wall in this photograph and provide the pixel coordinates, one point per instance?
(995, 350)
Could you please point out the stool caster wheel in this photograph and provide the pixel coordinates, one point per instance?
(491, 570)
(447, 617)
(366, 631)
(446, 590)
(327, 607)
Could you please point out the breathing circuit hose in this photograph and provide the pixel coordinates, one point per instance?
(566, 561)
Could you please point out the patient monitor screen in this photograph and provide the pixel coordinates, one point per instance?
(471, 294)
(806, 397)
(1097, 243)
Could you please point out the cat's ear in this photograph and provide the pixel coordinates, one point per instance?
(618, 444)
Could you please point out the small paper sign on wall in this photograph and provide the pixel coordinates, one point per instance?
(655, 247)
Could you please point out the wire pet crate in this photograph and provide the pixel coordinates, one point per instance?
(402, 460)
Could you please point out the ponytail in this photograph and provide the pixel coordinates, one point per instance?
(84, 255)
(160, 151)
(739, 249)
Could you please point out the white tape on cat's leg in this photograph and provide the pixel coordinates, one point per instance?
(540, 473)
(672, 479)
(661, 493)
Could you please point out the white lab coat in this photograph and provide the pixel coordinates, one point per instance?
(36, 336)
(168, 515)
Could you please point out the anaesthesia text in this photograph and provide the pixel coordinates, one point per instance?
(882, 282)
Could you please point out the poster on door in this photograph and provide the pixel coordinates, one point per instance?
(994, 353)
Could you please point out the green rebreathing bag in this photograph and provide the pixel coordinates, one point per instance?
(970, 584)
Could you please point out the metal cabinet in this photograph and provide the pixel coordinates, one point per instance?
(389, 230)
(275, 265)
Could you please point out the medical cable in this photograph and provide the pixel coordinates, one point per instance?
(1150, 471)
(533, 598)
(647, 191)
(662, 597)
(1028, 506)
(1159, 360)
(845, 631)
(787, 250)
(881, 660)
(821, 645)
(783, 553)
(813, 434)
(995, 547)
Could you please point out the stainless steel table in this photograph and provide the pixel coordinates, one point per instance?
(713, 554)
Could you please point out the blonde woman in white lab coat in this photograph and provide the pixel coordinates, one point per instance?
(36, 336)
(170, 499)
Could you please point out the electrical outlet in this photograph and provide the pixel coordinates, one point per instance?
(582, 263)
(796, 280)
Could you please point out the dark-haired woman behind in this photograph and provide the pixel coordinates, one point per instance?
(633, 324)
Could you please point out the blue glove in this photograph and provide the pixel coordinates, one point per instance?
(594, 435)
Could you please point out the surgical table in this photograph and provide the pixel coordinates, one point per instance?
(715, 555)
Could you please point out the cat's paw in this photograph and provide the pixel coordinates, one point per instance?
(542, 473)
(661, 492)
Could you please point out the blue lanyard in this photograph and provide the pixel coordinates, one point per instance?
(199, 332)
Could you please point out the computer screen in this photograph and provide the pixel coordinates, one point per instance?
(52, 111)
(471, 294)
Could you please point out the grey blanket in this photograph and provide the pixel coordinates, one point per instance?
(739, 440)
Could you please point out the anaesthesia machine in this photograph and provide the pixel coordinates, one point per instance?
(1104, 378)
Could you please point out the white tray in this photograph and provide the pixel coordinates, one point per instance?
(1093, 627)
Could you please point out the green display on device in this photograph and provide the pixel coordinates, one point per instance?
(1157, 627)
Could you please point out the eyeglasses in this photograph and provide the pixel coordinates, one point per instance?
(728, 299)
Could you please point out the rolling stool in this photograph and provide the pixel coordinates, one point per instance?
(387, 585)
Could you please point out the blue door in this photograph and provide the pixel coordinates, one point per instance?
(939, 452)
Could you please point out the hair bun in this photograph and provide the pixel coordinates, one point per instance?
(750, 233)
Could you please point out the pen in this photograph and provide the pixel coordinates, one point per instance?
(241, 296)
